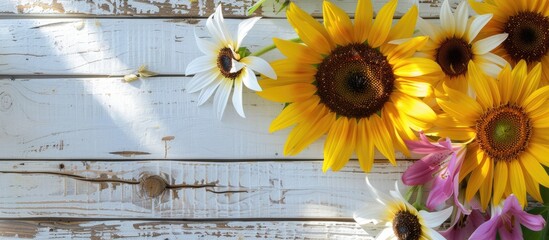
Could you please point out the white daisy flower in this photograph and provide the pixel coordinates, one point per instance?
(401, 219)
(222, 68)
(454, 43)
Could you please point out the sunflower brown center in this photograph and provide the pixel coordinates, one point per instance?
(225, 63)
(504, 132)
(528, 36)
(355, 81)
(406, 226)
(453, 55)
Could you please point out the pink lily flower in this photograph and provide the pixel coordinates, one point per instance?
(440, 166)
(464, 225)
(507, 220)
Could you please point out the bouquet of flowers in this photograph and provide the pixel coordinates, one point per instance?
(469, 93)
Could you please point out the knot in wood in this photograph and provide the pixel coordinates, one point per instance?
(153, 186)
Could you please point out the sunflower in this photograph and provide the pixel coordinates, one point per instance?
(509, 122)
(527, 23)
(349, 82)
(400, 218)
(454, 43)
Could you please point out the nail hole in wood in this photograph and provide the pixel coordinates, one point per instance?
(153, 186)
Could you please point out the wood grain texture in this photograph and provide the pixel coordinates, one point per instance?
(171, 230)
(154, 118)
(194, 190)
(188, 8)
(115, 47)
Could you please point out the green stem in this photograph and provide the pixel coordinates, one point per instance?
(272, 46)
(410, 192)
(419, 196)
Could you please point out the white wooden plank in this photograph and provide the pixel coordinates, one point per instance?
(233, 190)
(184, 230)
(188, 8)
(106, 118)
(114, 46)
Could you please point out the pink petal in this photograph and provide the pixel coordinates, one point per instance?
(423, 170)
(441, 191)
(514, 234)
(487, 230)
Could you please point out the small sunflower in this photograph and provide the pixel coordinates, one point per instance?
(400, 218)
(222, 68)
(349, 82)
(527, 23)
(509, 122)
(453, 44)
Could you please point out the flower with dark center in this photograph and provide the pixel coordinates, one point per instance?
(455, 43)
(509, 120)
(400, 219)
(527, 23)
(348, 82)
(221, 71)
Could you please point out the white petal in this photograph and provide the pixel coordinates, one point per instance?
(447, 20)
(426, 28)
(495, 59)
(259, 65)
(434, 219)
(200, 64)
(236, 66)
(250, 80)
(370, 213)
(488, 44)
(461, 17)
(478, 23)
(207, 92)
(201, 80)
(381, 198)
(220, 25)
(237, 97)
(216, 33)
(489, 68)
(387, 233)
(222, 97)
(434, 235)
(243, 29)
(205, 46)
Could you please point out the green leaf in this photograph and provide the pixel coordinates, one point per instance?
(255, 7)
(244, 52)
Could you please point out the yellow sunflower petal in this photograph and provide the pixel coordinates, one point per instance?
(364, 146)
(416, 89)
(539, 149)
(309, 30)
(291, 71)
(294, 112)
(471, 162)
(500, 180)
(394, 134)
(516, 179)
(363, 20)
(481, 85)
(405, 27)
(415, 67)
(536, 99)
(482, 8)
(339, 144)
(532, 188)
(519, 73)
(382, 24)
(531, 83)
(506, 84)
(288, 93)
(477, 177)
(460, 134)
(399, 120)
(381, 137)
(534, 168)
(309, 131)
(337, 24)
(406, 49)
(486, 188)
(299, 52)
(413, 107)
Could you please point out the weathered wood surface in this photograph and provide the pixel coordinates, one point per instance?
(153, 118)
(171, 230)
(193, 190)
(187, 8)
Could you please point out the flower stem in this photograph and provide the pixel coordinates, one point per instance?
(272, 46)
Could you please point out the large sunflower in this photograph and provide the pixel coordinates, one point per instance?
(527, 23)
(346, 80)
(454, 42)
(510, 123)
